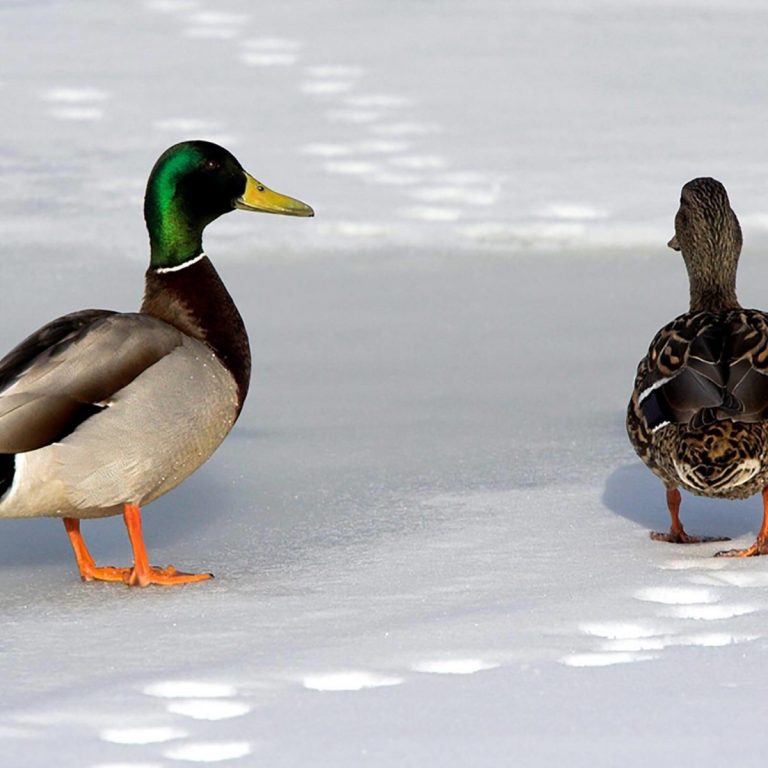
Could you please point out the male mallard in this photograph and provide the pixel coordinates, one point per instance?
(698, 416)
(102, 412)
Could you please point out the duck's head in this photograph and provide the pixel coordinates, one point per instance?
(192, 184)
(708, 235)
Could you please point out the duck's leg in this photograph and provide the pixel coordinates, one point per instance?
(760, 547)
(677, 534)
(143, 574)
(89, 571)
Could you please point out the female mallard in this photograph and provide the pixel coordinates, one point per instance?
(698, 416)
(102, 412)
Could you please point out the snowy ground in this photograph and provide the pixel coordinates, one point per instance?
(428, 529)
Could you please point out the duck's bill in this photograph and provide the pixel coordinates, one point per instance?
(257, 197)
(673, 244)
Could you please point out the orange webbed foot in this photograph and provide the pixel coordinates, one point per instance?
(142, 574)
(166, 577)
(757, 549)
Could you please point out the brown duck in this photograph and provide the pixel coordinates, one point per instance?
(698, 416)
(102, 412)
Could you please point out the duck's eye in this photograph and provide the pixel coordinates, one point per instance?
(211, 165)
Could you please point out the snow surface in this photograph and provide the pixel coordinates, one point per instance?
(428, 528)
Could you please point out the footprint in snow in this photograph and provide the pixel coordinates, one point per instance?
(70, 103)
(270, 52)
(349, 681)
(215, 25)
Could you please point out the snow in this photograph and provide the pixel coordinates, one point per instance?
(428, 529)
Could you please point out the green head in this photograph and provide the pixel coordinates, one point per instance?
(192, 184)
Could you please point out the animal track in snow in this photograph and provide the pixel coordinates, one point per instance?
(431, 213)
(689, 564)
(572, 212)
(604, 659)
(351, 167)
(453, 666)
(419, 162)
(216, 25)
(200, 701)
(708, 612)
(359, 229)
(76, 103)
(148, 735)
(270, 51)
(178, 689)
(349, 681)
(456, 195)
(208, 709)
(676, 595)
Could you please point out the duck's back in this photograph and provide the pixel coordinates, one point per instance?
(699, 411)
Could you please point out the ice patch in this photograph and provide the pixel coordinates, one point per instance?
(428, 213)
(187, 689)
(209, 751)
(676, 595)
(155, 735)
(209, 709)
(604, 659)
(349, 681)
(454, 666)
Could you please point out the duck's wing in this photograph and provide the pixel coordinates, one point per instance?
(704, 367)
(68, 370)
(748, 363)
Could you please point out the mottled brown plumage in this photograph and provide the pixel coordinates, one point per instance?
(698, 416)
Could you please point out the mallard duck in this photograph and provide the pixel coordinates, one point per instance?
(698, 416)
(102, 412)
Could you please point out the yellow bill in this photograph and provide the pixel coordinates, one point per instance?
(257, 197)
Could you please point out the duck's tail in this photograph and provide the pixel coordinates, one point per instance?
(720, 457)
